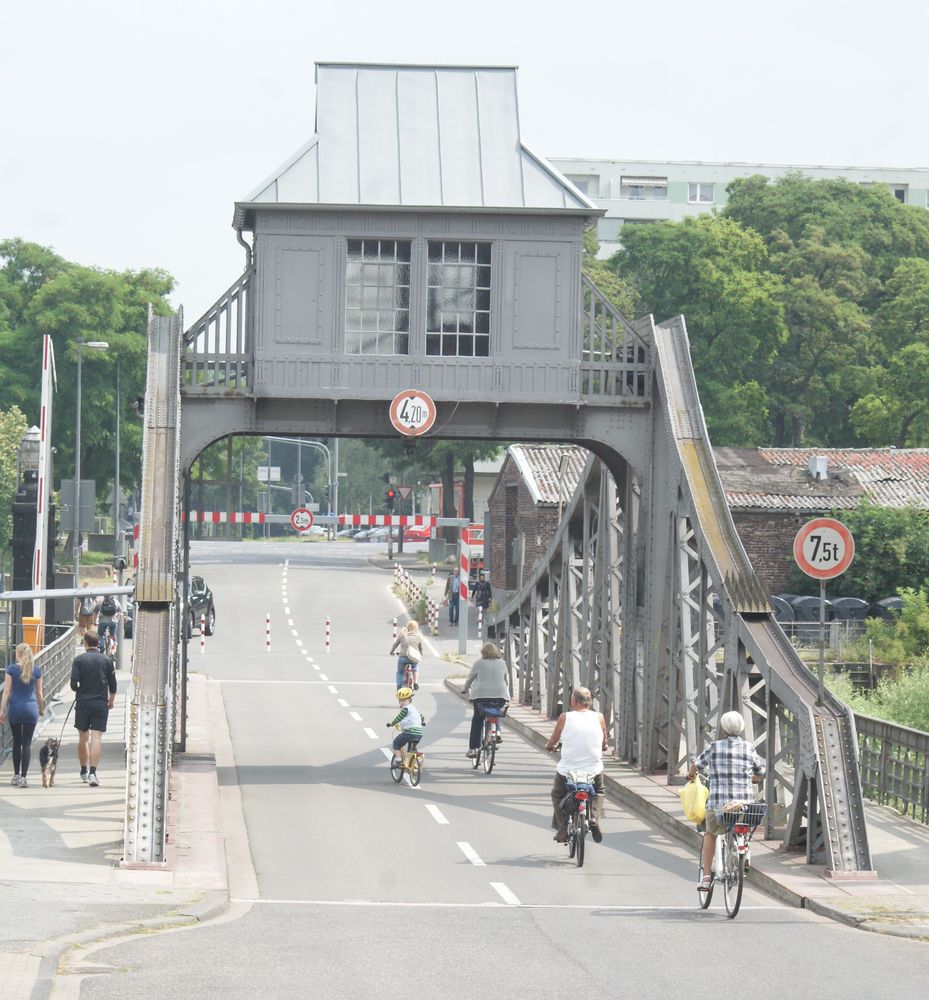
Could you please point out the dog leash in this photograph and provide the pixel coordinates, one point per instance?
(67, 716)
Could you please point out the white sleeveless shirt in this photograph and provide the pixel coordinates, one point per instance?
(581, 743)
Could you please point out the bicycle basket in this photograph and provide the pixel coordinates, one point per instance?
(750, 814)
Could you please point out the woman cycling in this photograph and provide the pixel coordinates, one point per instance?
(487, 684)
(732, 765)
(409, 640)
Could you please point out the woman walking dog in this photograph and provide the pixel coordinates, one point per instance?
(25, 700)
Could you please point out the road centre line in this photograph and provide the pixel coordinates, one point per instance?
(323, 677)
(372, 734)
(286, 610)
(299, 642)
(293, 631)
(356, 716)
(505, 894)
(468, 851)
(290, 624)
(343, 703)
(332, 689)
(436, 814)
(491, 904)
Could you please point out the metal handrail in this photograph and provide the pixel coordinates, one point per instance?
(894, 763)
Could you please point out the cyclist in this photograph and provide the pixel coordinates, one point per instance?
(732, 765)
(488, 685)
(107, 616)
(582, 734)
(410, 644)
(408, 719)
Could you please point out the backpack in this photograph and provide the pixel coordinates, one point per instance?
(87, 605)
(108, 607)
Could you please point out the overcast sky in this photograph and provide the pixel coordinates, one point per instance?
(129, 129)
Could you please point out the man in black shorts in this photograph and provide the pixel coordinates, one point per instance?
(93, 677)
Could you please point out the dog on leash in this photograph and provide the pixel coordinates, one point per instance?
(48, 758)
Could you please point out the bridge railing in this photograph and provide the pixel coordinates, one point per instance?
(216, 353)
(55, 662)
(614, 358)
(894, 763)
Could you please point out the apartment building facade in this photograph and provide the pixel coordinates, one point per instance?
(640, 191)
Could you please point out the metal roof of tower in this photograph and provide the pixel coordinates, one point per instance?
(426, 137)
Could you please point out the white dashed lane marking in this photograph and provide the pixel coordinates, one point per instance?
(505, 894)
(436, 814)
(468, 851)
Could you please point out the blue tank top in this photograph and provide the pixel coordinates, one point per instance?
(23, 708)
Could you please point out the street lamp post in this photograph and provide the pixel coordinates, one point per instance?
(94, 345)
(117, 548)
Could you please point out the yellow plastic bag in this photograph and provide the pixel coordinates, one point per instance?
(693, 798)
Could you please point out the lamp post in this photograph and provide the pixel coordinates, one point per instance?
(117, 496)
(94, 345)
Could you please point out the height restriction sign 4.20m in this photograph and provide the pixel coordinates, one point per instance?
(824, 548)
(412, 412)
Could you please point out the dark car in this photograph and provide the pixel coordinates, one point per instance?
(200, 602)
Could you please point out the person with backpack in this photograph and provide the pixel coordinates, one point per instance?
(86, 609)
(106, 620)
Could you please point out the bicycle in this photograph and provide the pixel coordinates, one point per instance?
(577, 803)
(407, 760)
(486, 753)
(742, 819)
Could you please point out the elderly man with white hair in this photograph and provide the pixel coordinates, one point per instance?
(732, 765)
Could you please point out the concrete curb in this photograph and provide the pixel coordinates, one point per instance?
(688, 835)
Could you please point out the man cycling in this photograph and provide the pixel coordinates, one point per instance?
(732, 766)
(582, 734)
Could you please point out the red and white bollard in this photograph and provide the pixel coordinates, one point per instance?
(202, 634)
(432, 574)
(395, 629)
(480, 622)
(268, 633)
(328, 632)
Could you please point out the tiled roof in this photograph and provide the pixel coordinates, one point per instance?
(779, 478)
(551, 471)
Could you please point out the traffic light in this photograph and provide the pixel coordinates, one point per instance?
(390, 495)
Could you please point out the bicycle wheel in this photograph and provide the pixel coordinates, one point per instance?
(581, 838)
(476, 759)
(704, 898)
(733, 876)
(416, 770)
(572, 837)
(396, 768)
(490, 752)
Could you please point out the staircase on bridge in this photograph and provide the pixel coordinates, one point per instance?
(416, 242)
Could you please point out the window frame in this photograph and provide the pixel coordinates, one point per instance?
(375, 299)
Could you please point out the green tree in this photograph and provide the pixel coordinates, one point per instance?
(716, 274)
(41, 293)
(13, 425)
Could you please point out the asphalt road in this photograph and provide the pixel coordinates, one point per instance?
(346, 885)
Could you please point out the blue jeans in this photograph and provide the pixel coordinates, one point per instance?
(402, 663)
(101, 634)
(407, 740)
(453, 609)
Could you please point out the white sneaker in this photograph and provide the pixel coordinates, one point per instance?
(84, 777)
(92, 779)
(14, 781)
(23, 783)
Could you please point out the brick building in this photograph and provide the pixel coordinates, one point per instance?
(771, 492)
(525, 508)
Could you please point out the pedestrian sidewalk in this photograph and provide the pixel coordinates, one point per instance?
(60, 852)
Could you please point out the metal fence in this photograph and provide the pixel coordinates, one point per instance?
(55, 661)
(894, 764)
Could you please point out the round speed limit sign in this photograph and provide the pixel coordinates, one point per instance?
(412, 412)
(301, 520)
(824, 548)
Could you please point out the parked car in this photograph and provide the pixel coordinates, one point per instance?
(362, 535)
(417, 534)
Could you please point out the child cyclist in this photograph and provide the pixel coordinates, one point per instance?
(408, 719)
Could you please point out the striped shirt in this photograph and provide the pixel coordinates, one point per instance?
(730, 764)
(409, 720)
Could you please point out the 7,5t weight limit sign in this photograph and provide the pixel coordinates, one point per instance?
(824, 548)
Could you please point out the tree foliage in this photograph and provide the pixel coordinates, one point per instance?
(807, 305)
(41, 293)
(13, 426)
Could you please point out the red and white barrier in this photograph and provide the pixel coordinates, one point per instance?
(328, 632)
(384, 520)
(225, 517)
(268, 633)
(202, 634)
(480, 622)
